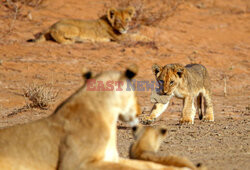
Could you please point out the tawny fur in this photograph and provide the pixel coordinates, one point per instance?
(111, 27)
(189, 83)
(80, 134)
(146, 144)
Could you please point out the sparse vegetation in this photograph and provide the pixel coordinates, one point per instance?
(39, 96)
(16, 11)
(13, 4)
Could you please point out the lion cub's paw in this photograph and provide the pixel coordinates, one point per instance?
(208, 118)
(186, 121)
(147, 120)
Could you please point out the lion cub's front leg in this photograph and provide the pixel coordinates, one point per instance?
(156, 111)
(138, 37)
(188, 112)
(130, 37)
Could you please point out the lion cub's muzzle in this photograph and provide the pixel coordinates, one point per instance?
(123, 31)
(161, 92)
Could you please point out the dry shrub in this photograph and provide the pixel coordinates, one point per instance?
(32, 3)
(13, 4)
(223, 7)
(18, 9)
(39, 96)
(149, 15)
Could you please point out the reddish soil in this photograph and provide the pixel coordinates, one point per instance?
(215, 33)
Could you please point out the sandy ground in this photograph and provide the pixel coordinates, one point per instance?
(215, 33)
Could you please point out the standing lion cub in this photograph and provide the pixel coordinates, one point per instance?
(111, 27)
(188, 82)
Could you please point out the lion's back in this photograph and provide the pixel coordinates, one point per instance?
(199, 74)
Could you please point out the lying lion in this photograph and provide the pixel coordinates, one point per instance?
(147, 143)
(80, 134)
(110, 27)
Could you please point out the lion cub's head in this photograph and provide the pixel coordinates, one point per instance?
(147, 138)
(120, 19)
(169, 77)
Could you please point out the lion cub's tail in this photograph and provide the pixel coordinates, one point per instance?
(40, 37)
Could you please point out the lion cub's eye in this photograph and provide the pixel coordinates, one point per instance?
(171, 83)
(127, 20)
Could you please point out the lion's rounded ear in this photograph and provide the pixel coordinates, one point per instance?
(163, 131)
(86, 73)
(131, 71)
(134, 128)
(180, 72)
(156, 68)
(131, 11)
(111, 15)
(179, 69)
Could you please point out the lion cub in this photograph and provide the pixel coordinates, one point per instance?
(147, 143)
(188, 83)
(111, 27)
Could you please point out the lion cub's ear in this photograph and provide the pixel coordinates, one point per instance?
(163, 131)
(86, 74)
(131, 11)
(111, 15)
(136, 130)
(156, 69)
(131, 71)
(180, 71)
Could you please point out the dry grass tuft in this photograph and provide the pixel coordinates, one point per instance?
(18, 9)
(12, 4)
(39, 96)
